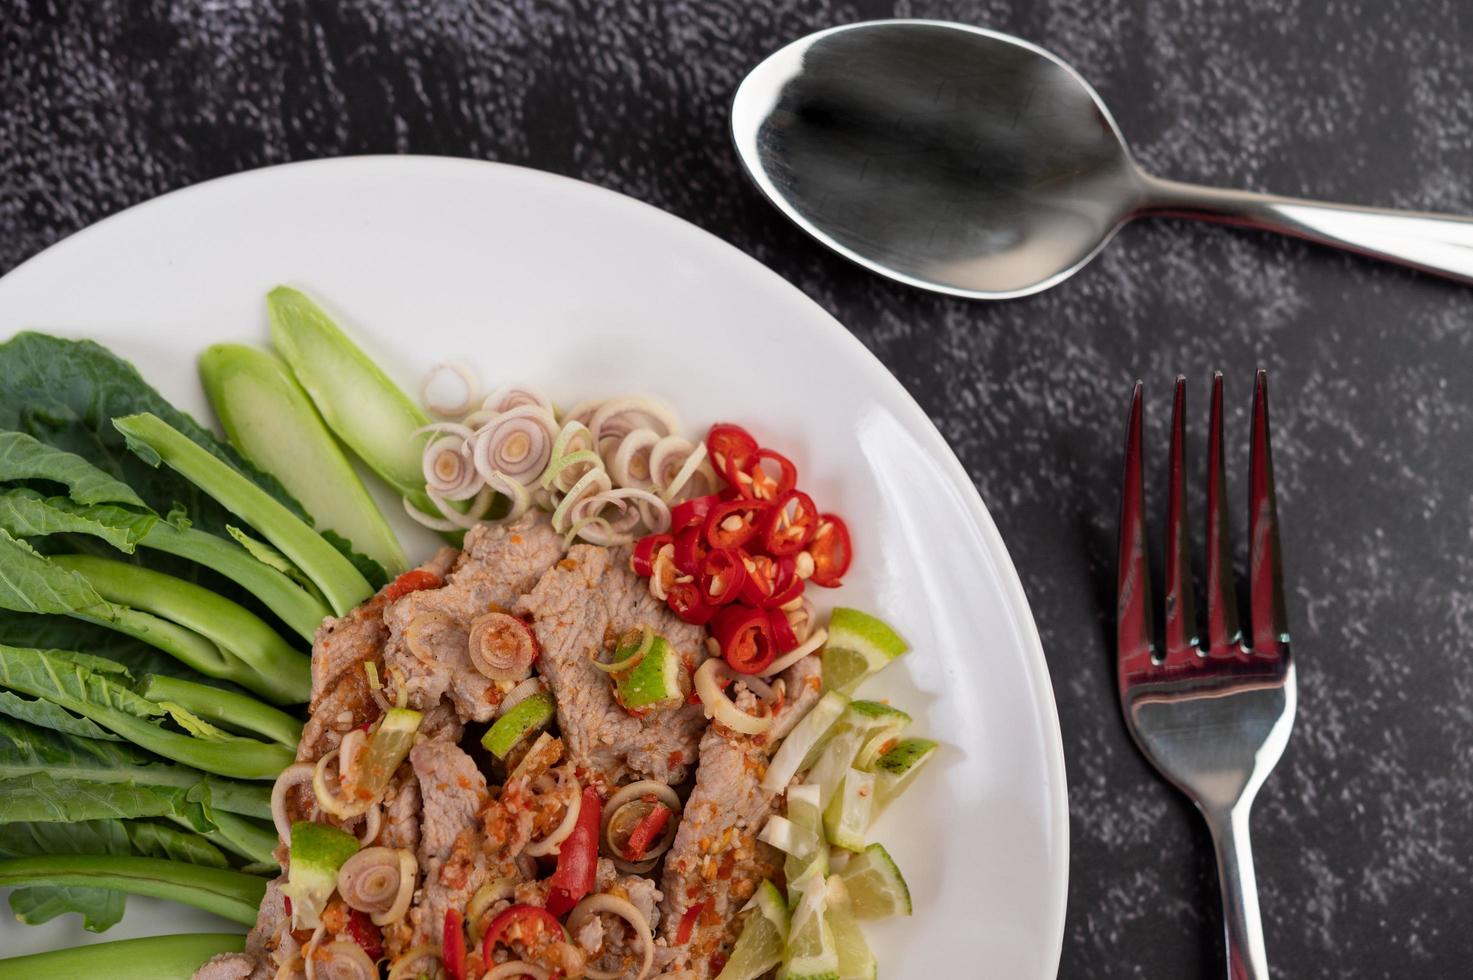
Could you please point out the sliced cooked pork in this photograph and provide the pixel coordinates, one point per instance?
(588, 597)
(428, 631)
(716, 861)
(453, 792)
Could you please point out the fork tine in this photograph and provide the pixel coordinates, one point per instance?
(1265, 573)
(1133, 586)
(1181, 615)
(1222, 606)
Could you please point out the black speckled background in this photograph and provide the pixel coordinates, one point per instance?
(1364, 834)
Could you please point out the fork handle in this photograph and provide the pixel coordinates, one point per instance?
(1242, 927)
(1437, 243)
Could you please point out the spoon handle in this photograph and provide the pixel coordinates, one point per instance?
(1438, 243)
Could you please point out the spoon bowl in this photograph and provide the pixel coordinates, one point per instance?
(970, 162)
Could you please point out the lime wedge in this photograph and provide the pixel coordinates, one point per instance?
(388, 747)
(897, 768)
(810, 953)
(656, 680)
(856, 962)
(760, 946)
(806, 817)
(875, 886)
(861, 722)
(529, 715)
(848, 816)
(858, 645)
(804, 741)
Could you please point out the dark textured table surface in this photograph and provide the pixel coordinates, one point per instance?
(1364, 833)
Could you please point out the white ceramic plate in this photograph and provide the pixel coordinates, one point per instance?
(585, 293)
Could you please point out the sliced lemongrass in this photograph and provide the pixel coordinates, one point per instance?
(448, 469)
(297, 774)
(624, 909)
(590, 484)
(630, 466)
(647, 640)
(473, 514)
(462, 429)
(453, 371)
(803, 740)
(710, 680)
(581, 413)
(519, 498)
(564, 829)
(618, 417)
(517, 443)
(796, 654)
(508, 397)
(563, 473)
(433, 523)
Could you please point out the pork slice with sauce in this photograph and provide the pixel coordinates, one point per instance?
(427, 650)
(341, 696)
(582, 601)
(716, 860)
(453, 792)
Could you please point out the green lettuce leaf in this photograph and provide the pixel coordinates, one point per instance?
(22, 457)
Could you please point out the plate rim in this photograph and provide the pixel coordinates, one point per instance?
(1011, 586)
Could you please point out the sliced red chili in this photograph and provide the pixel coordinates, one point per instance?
(414, 580)
(783, 636)
(645, 550)
(790, 524)
(690, 513)
(745, 636)
(732, 449)
(688, 923)
(786, 585)
(687, 603)
(519, 915)
(761, 576)
(577, 858)
(832, 553)
(758, 481)
(649, 828)
(365, 933)
(722, 576)
(733, 523)
(690, 550)
(452, 947)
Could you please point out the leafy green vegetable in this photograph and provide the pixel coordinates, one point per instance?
(32, 583)
(66, 393)
(276, 670)
(27, 514)
(267, 555)
(300, 609)
(100, 908)
(155, 441)
(156, 958)
(235, 711)
(47, 715)
(232, 894)
(23, 457)
(270, 419)
(83, 779)
(51, 675)
(357, 400)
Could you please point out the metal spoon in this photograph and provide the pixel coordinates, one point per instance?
(969, 162)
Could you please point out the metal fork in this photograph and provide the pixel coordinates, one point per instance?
(1212, 715)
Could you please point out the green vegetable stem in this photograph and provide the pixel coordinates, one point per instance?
(155, 958)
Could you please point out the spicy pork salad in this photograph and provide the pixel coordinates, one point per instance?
(609, 729)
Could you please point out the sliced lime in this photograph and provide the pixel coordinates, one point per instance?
(897, 768)
(804, 741)
(806, 816)
(810, 953)
(317, 852)
(387, 749)
(875, 886)
(860, 723)
(527, 716)
(848, 816)
(856, 962)
(858, 645)
(760, 946)
(655, 680)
